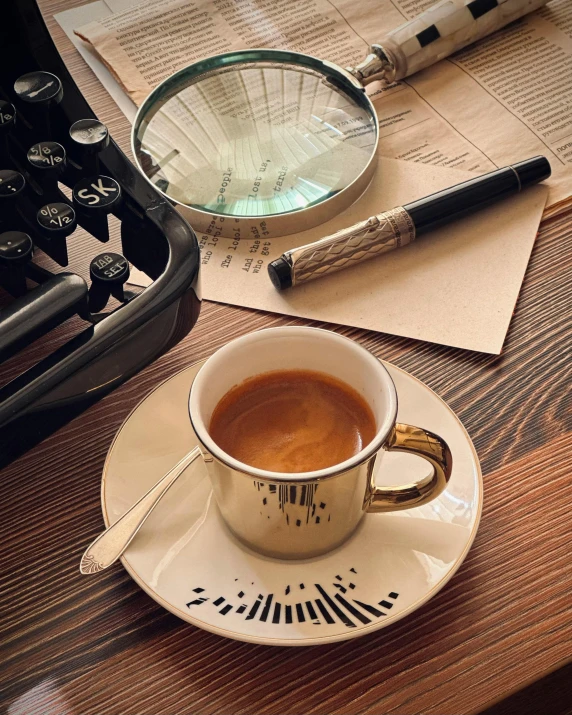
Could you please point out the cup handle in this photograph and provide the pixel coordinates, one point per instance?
(423, 443)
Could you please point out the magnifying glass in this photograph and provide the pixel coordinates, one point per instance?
(259, 143)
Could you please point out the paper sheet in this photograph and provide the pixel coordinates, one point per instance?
(505, 99)
(456, 286)
(77, 16)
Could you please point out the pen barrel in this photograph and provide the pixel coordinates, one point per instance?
(396, 228)
(364, 240)
(463, 199)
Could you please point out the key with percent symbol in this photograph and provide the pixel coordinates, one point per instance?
(55, 222)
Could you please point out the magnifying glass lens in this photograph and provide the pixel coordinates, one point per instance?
(255, 139)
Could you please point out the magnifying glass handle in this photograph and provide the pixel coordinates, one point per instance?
(437, 33)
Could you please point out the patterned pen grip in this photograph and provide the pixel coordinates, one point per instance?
(360, 242)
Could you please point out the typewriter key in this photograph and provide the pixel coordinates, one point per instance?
(94, 198)
(48, 162)
(90, 137)
(7, 122)
(48, 157)
(40, 88)
(97, 195)
(109, 272)
(16, 249)
(12, 184)
(7, 116)
(57, 219)
(12, 191)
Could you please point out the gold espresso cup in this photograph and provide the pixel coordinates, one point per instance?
(300, 515)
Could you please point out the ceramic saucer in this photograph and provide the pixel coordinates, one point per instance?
(188, 561)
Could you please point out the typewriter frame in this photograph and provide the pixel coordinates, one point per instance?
(105, 354)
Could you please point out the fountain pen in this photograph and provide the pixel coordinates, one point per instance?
(396, 228)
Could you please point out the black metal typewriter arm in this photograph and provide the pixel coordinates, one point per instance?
(110, 351)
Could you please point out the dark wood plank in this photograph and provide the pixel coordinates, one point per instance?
(532, 699)
(102, 646)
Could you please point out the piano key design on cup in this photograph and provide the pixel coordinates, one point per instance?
(298, 503)
(329, 605)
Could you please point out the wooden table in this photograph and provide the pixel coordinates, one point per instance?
(101, 646)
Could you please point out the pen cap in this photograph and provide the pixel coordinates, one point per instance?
(532, 170)
(280, 272)
(463, 199)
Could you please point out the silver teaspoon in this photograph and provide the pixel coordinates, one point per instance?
(112, 542)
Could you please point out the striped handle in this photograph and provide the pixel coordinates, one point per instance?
(447, 27)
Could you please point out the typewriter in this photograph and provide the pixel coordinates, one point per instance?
(61, 175)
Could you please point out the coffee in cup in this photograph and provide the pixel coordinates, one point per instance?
(292, 421)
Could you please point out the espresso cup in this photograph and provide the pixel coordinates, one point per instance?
(301, 515)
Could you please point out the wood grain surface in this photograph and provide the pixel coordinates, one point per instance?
(100, 646)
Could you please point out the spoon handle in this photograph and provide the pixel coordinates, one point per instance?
(112, 542)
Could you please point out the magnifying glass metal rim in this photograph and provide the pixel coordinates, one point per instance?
(261, 226)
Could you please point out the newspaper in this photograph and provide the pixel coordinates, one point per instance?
(504, 99)
(457, 286)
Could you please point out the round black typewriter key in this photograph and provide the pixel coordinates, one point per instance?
(47, 162)
(39, 88)
(47, 158)
(41, 91)
(16, 250)
(7, 116)
(90, 133)
(97, 195)
(15, 204)
(57, 219)
(7, 123)
(109, 272)
(111, 269)
(16, 247)
(90, 137)
(12, 184)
